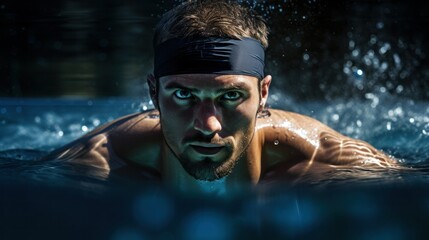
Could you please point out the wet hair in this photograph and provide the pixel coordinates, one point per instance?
(211, 18)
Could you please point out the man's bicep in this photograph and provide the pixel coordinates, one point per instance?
(318, 142)
(87, 151)
(337, 149)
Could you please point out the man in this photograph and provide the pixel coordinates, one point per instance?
(209, 90)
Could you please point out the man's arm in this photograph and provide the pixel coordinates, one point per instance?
(108, 146)
(337, 149)
(295, 144)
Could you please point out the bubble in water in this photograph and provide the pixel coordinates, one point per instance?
(276, 142)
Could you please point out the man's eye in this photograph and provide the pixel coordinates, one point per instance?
(183, 94)
(232, 96)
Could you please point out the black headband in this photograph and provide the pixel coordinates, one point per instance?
(210, 55)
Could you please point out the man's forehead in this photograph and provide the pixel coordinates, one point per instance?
(210, 80)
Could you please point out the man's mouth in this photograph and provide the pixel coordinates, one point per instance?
(207, 149)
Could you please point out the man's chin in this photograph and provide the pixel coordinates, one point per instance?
(207, 170)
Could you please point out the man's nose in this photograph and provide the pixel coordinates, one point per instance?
(207, 118)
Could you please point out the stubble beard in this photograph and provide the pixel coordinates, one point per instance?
(209, 170)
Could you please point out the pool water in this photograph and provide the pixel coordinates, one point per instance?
(55, 200)
(358, 66)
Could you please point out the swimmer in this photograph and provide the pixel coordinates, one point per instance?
(210, 122)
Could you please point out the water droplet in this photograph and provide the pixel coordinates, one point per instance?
(373, 40)
(352, 44)
(276, 142)
(359, 72)
(384, 48)
(384, 67)
(359, 123)
(306, 57)
(84, 128)
(397, 60)
(96, 122)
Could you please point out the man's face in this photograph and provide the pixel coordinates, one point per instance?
(208, 120)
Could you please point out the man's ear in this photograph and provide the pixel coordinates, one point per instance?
(153, 91)
(265, 85)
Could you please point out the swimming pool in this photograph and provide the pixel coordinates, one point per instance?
(358, 66)
(53, 199)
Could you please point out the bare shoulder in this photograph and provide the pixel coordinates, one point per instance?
(312, 141)
(295, 120)
(111, 145)
(139, 139)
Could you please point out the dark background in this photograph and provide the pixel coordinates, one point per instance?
(319, 49)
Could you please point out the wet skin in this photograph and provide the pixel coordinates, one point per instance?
(208, 121)
(209, 126)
